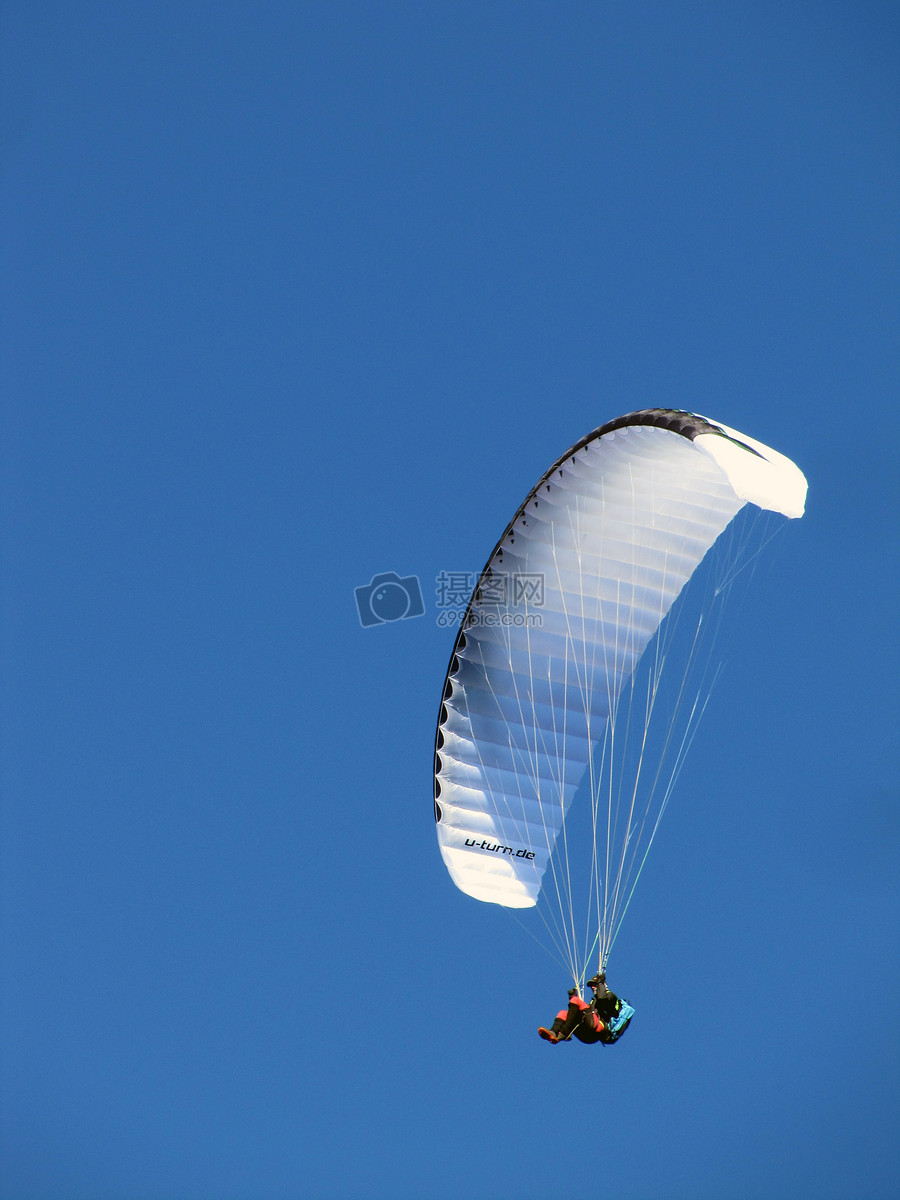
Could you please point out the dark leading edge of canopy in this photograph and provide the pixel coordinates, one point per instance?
(686, 424)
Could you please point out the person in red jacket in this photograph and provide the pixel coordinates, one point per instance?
(604, 1019)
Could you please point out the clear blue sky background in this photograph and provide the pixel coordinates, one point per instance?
(296, 293)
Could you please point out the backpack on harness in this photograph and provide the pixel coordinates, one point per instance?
(618, 1024)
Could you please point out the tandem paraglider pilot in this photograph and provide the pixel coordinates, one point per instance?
(604, 1019)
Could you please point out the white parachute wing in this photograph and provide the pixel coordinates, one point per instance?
(567, 604)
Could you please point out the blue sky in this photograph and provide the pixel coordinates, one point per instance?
(295, 294)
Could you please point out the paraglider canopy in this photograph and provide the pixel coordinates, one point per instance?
(544, 694)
